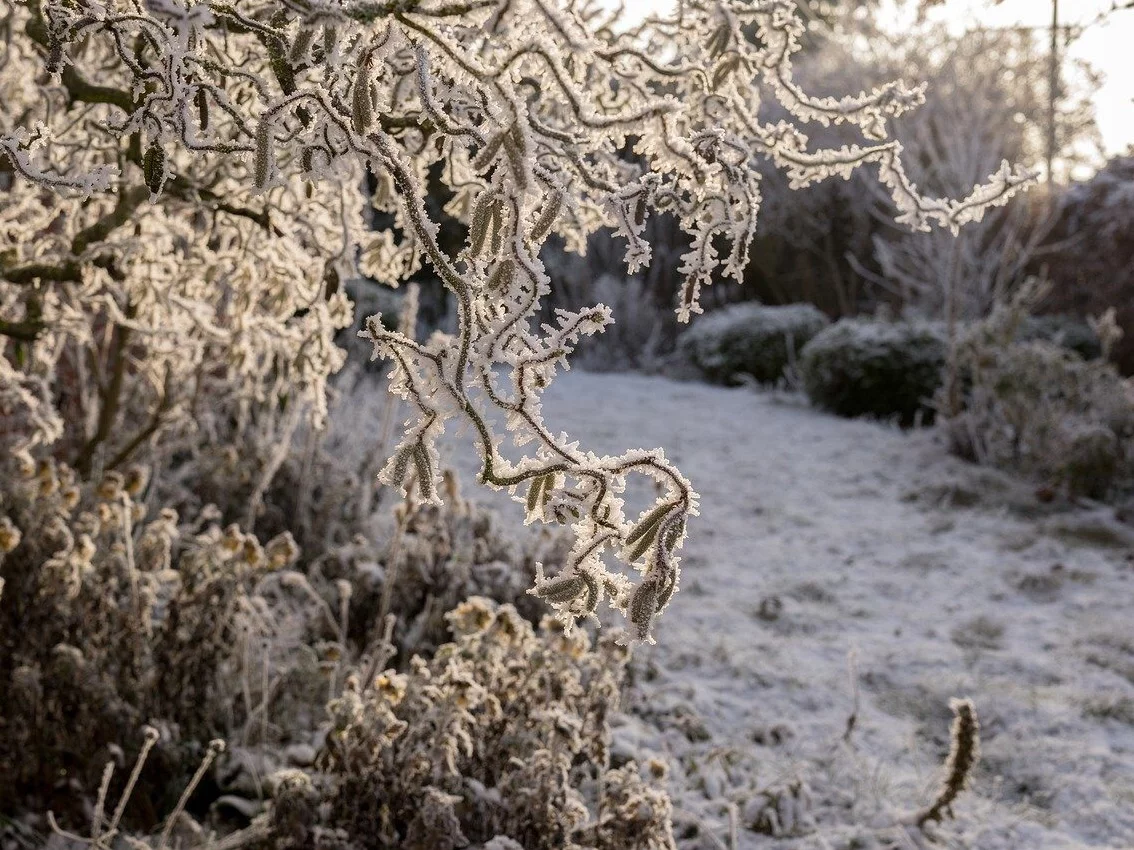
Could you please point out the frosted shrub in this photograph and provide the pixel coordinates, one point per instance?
(751, 339)
(439, 556)
(501, 741)
(502, 735)
(112, 617)
(254, 123)
(861, 367)
(154, 325)
(1040, 409)
(194, 346)
(987, 104)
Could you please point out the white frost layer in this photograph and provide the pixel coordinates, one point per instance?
(820, 537)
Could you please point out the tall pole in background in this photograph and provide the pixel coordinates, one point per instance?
(1052, 90)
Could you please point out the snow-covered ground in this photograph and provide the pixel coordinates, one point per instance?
(844, 567)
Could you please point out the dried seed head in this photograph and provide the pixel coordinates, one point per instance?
(424, 468)
(264, 162)
(25, 464)
(9, 536)
(201, 99)
(233, 539)
(473, 615)
(110, 487)
(251, 553)
(964, 752)
(643, 607)
(48, 482)
(362, 104)
(154, 168)
(137, 477)
(391, 686)
(282, 550)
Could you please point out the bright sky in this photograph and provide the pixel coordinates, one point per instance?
(1109, 47)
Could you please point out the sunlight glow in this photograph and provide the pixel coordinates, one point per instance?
(1106, 45)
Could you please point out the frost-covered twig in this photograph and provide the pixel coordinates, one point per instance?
(538, 122)
(964, 751)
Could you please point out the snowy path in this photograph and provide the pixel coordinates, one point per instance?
(822, 541)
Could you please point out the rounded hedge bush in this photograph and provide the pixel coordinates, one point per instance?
(859, 367)
(750, 339)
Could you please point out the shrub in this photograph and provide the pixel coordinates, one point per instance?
(503, 734)
(441, 556)
(110, 618)
(500, 739)
(860, 367)
(751, 339)
(1040, 409)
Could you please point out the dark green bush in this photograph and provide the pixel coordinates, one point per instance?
(860, 367)
(1065, 331)
(751, 339)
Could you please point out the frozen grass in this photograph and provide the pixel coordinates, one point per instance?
(844, 568)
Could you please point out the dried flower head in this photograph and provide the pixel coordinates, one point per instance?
(9, 536)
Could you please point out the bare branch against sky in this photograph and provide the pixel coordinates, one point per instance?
(1106, 44)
